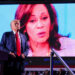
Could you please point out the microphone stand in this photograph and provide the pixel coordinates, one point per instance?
(62, 61)
(51, 63)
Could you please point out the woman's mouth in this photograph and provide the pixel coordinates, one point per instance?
(41, 34)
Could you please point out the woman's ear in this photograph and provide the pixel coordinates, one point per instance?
(51, 28)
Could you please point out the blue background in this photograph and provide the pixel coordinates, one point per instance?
(65, 15)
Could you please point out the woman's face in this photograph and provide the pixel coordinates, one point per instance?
(38, 25)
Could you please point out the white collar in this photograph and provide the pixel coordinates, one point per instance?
(15, 32)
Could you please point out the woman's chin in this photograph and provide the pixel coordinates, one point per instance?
(41, 40)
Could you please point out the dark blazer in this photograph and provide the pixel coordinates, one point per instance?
(8, 43)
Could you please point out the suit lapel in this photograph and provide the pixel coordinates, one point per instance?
(13, 40)
(21, 42)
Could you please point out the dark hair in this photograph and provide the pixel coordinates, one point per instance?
(23, 13)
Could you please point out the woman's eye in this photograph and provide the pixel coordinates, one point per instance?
(44, 18)
(32, 21)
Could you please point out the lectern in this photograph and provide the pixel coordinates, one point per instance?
(3, 59)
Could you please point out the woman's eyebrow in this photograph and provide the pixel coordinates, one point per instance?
(32, 15)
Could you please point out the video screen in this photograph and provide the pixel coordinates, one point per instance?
(46, 27)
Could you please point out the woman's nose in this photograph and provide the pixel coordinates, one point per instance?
(40, 24)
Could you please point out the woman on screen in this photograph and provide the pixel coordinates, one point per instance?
(39, 23)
